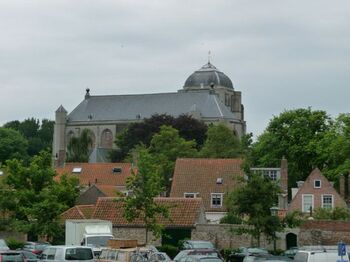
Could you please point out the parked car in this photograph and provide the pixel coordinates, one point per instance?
(67, 253)
(198, 258)
(134, 254)
(35, 247)
(246, 251)
(200, 252)
(11, 256)
(318, 256)
(159, 256)
(29, 256)
(3, 245)
(266, 257)
(194, 244)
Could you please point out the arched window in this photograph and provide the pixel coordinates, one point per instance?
(107, 138)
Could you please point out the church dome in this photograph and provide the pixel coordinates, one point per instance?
(206, 77)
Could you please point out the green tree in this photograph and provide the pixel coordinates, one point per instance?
(294, 134)
(252, 202)
(79, 147)
(166, 146)
(34, 199)
(12, 145)
(141, 133)
(220, 143)
(145, 185)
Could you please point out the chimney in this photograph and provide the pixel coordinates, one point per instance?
(284, 175)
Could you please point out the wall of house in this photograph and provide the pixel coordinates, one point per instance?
(324, 232)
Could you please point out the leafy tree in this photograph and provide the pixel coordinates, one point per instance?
(166, 146)
(34, 199)
(78, 148)
(12, 145)
(337, 213)
(220, 143)
(252, 202)
(39, 136)
(145, 185)
(294, 134)
(141, 133)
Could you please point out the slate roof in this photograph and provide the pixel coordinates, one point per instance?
(108, 190)
(97, 173)
(199, 175)
(183, 212)
(78, 212)
(136, 107)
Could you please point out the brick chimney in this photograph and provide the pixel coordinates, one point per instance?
(284, 175)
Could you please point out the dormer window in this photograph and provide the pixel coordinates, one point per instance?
(317, 183)
(190, 195)
(76, 170)
(117, 170)
(219, 180)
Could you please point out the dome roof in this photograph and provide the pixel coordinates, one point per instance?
(206, 77)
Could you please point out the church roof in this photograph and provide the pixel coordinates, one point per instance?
(135, 107)
(208, 77)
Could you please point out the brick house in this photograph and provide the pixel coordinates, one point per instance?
(315, 192)
(209, 179)
(184, 213)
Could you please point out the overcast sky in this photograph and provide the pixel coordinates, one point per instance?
(281, 54)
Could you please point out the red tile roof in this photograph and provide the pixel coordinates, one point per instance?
(199, 175)
(97, 173)
(183, 212)
(78, 212)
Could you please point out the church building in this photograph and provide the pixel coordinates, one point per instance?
(208, 95)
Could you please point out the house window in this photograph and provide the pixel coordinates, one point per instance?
(190, 195)
(216, 199)
(327, 201)
(308, 203)
(317, 183)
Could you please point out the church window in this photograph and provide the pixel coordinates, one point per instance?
(107, 139)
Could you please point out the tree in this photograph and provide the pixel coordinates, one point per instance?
(35, 199)
(252, 202)
(141, 133)
(295, 135)
(78, 148)
(12, 145)
(166, 146)
(220, 143)
(145, 185)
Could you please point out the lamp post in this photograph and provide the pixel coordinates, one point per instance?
(274, 212)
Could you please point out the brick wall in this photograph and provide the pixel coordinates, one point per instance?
(324, 232)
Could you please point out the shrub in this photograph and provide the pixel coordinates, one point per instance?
(169, 249)
(14, 244)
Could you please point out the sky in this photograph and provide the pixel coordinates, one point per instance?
(281, 55)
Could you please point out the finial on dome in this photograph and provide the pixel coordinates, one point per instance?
(209, 57)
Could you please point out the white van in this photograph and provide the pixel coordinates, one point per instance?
(319, 256)
(67, 254)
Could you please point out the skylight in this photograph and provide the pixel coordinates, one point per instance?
(76, 170)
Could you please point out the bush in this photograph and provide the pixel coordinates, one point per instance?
(14, 244)
(169, 249)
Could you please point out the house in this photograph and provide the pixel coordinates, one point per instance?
(184, 215)
(209, 179)
(91, 195)
(101, 174)
(315, 192)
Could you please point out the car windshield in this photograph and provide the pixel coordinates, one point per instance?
(98, 241)
(79, 254)
(11, 257)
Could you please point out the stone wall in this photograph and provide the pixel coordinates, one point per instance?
(135, 233)
(13, 235)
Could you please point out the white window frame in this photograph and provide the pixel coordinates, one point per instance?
(315, 183)
(312, 202)
(221, 195)
(328, 195)
(189, 195)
